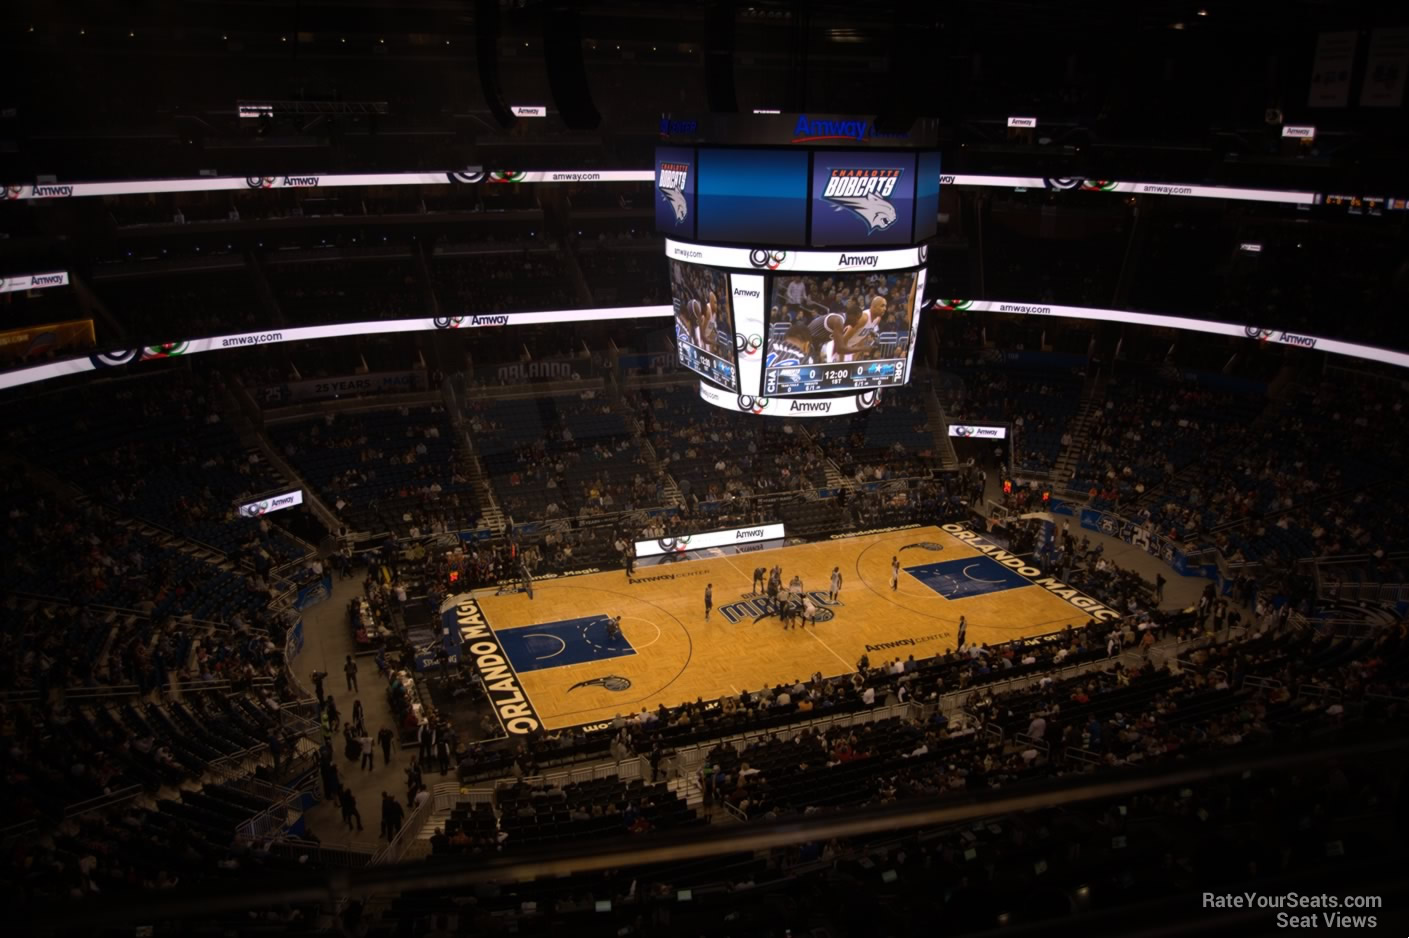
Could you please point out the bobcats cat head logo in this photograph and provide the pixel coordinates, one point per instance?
(866, 193)
(671, 181)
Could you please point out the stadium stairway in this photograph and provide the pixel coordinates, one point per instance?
(689, 790)
(835, 478)
(240, 412)
(167, 538)
(491, 514)
(673, 495)
(1080, 428)
(939, 429)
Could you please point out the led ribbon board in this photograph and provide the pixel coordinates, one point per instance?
(270, 503)
(1081, 183)
(1275, 336)
(969, 431)
(839, 405)
(766, 260)
(234, 183)
(68, 190)
(21, 283)
(117, 357)
(683, 543)
(322, 181)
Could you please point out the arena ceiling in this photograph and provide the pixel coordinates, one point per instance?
(1180, 85)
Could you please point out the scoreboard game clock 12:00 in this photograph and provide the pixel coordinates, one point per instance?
(840, 332)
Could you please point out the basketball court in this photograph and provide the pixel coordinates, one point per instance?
(572, 670)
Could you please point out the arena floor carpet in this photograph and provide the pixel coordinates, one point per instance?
(572, 671)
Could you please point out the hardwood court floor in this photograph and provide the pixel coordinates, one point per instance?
(572, 671)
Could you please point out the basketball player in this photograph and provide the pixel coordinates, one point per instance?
(963, 633)
(709, 599)
(773, 593)
(839, 336)
(758, 579)
(894, 573)
(789, 611)
(795, 584)
(694, 317)
(836, 584)
(613, 627)
(809, 611)
(795, 347)
(709, 325)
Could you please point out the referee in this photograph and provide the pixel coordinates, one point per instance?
(709, 599)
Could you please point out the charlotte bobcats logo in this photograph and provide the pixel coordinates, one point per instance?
(13, 192)
(260, 182)
(747, 345)
(612, 682)
(767, 260)
(1258, 333)
(752, 405)
(670, 183)
(866, 193)
(448, 322)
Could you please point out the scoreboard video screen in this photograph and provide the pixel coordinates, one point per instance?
(704, 323)
(866, 198)
(840, 332)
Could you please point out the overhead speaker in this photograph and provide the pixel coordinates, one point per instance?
(487, 60)
(567, 75)
(719, 57)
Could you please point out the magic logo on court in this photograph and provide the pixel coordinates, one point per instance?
(482, 650)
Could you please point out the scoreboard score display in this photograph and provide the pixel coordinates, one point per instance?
(839, 332)
(812, 256)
